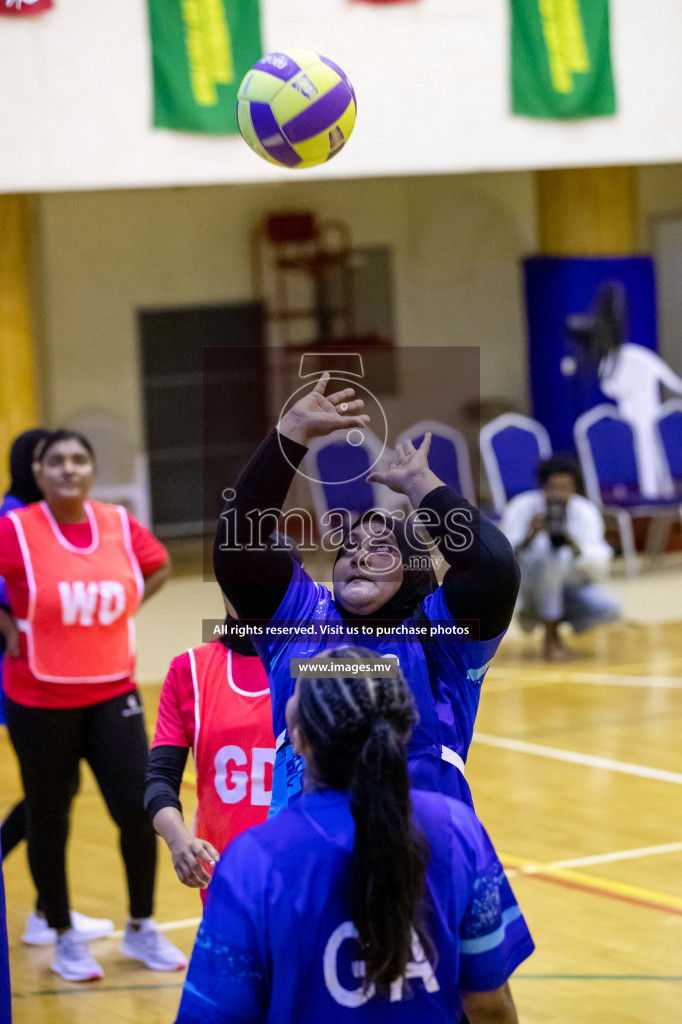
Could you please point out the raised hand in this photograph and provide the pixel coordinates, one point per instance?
(318, 414)
(409, 473)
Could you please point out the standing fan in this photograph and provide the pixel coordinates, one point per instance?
(596, 337)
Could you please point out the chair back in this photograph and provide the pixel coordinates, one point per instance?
(448, 457)
(605, 443)
(669, 437)
(512, 447)
(336, 472)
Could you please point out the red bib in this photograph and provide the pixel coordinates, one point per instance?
(234, 746)
(79, 626)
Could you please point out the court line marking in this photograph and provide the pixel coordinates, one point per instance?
(575, 757)
(609, 858)
(668, 662)
(511, 685)
(654, 665)
(552, 678)
(96, 989)
(597, 977)
(649, 898)
(613, 679)
(167, 926)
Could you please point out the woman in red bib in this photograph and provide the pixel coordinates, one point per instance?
(216, 701)
(76, 571)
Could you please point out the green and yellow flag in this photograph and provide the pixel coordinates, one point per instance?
(201, 50)
(561, 59)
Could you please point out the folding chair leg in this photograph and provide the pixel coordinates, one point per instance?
(627, 541)
(657, 534)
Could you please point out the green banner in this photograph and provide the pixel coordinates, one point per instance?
(201, 50)
(561, 58)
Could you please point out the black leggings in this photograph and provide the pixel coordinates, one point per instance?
(13, 828)
(49, 744)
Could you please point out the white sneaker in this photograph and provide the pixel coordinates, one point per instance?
(150, 946)
(39, 933)
(72, 958)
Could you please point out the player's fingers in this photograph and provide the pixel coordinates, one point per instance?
(211, 851)
(355, 406)
(185, 875)
(342, 396)
(350, 421)
(376, 478)
(201, 877)
(426, 443)
(322, 383)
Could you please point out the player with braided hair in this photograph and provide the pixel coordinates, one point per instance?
(359, 895)
(359, 728)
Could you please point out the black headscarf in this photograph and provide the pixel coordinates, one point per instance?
(419, 579)
(234, 642)
(22, 485)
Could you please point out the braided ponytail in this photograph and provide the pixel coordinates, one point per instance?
(357, 729)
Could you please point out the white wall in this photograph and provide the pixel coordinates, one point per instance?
(661, 201)
(456, 244)
(431, 79)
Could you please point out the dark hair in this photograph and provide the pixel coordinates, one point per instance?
(357, 728)
(64, 435)
(560, 464)
(21, 457)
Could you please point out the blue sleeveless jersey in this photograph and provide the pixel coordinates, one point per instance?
(277, 946)
(444, 673)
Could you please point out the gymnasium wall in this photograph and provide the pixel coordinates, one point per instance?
(456, 243)
(431, 79)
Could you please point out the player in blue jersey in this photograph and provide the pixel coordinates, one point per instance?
(362, 901)
(383, 581)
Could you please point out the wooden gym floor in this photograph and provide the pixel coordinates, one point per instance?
(576, 773)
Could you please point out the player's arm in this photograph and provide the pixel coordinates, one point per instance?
(9, 555)
(495, 1007)
(482, 581)
(10, 631)
(157, 579)
(254, 574)
(255, 577)
(162, 803)
(188, 853)
(165, 768)
(152, 557)
(493, 935)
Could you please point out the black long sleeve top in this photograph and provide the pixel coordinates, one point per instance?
(481, 582)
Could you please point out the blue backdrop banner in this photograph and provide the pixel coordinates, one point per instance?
(558, 288)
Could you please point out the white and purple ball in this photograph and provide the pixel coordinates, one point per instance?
(296, 109)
